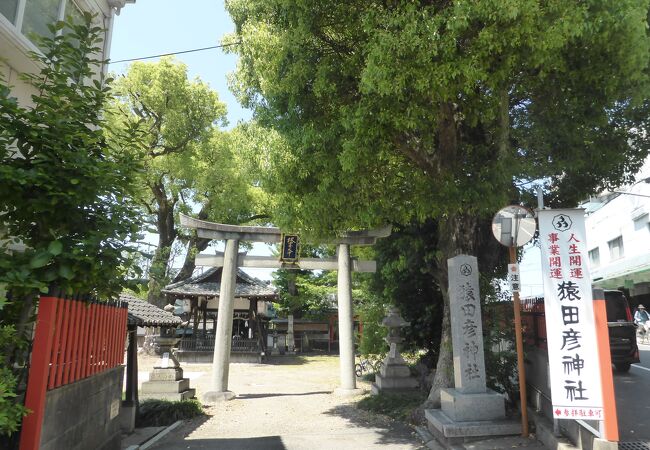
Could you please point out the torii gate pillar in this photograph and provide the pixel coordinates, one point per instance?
(223, 335)
(232, 234)
(346, 324)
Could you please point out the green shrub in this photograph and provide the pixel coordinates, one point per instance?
(371, 341)
(160, 413)
(11, 411)
(399, 406)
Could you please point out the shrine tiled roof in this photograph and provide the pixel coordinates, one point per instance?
(144, 314)
(209, 284)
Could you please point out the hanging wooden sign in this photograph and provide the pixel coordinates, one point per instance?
(290, 248)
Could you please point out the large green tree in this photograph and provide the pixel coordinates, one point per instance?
(407, 110)
(188, 163)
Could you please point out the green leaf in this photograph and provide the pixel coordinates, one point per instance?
(55, 248)
(66, 272)
(50, 275)
(41, 259)
(3, 295)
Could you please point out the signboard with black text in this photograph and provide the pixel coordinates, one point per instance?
(290, 248)
(514, 280)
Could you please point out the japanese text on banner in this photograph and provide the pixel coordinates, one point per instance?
(572, 352)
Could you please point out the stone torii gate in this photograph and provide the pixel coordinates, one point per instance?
(230, 260)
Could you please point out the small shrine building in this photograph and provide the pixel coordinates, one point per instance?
(198, 297)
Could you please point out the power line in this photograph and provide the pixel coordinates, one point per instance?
(175, 53)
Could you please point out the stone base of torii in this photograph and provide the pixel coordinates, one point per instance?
(231, 260)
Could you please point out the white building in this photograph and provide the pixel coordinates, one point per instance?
(618, 238)
(19, 19)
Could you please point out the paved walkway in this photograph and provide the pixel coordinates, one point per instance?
(288, 405)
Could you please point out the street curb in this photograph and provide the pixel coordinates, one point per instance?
(428, 439)
(157, 437)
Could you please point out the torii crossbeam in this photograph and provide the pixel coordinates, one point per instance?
(231, 259)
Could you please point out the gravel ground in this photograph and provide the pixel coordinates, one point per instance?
(287, 404)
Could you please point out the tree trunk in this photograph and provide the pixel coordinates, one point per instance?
(292, 288)
(166, 235)
(457, 235)
(195, 246)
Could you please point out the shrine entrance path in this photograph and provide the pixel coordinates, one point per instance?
(286, 405)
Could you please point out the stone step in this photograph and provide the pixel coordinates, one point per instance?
(445, 428)
(171, 396)
(166, 386)
(396, 383)
(395, 371)
(167, 374)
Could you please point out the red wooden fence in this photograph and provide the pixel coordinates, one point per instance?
(533, 321)
(73, 339)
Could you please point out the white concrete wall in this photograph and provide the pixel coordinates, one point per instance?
(617, 218)
(15, 47)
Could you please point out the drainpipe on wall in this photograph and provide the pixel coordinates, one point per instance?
(108, 24)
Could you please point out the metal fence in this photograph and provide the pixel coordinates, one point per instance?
(245, 345)
(204, 343)
(198, 343)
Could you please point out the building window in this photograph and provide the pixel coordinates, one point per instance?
(594, 257)
(33, 19)
(38, 15)
(73, 11)
(8, 9)
(616, 248)
(641, 223)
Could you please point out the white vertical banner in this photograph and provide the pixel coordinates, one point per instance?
(576, 391)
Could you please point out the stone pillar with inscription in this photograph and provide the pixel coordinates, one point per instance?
(470, 409)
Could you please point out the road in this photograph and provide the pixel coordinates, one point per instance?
(633, 399)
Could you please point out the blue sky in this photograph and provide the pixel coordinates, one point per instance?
(152, 27)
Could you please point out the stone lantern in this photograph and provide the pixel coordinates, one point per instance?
(394, 374)
(163, 344)
(166, 379)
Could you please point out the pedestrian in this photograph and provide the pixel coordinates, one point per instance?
(642, 318)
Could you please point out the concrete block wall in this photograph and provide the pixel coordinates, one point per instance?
(84, 415)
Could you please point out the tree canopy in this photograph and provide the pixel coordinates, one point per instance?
(400, 111)
(190, 164)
